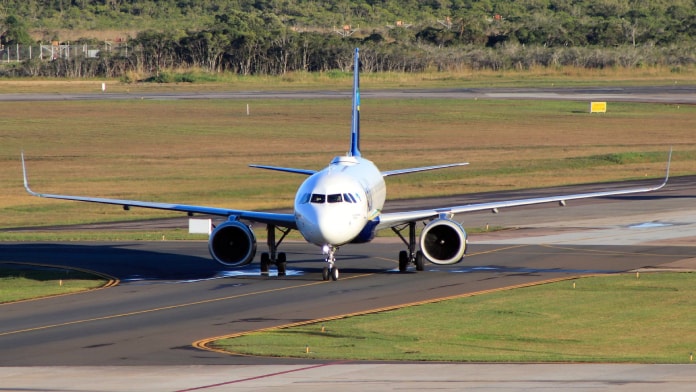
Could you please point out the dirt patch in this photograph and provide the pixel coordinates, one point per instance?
(681, 241)
(684, 265)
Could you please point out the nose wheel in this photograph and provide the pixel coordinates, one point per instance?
(330, 271)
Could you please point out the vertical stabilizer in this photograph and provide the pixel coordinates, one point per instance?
(355, 124)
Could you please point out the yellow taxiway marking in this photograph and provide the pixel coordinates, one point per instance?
(610, 252)
(178, 306)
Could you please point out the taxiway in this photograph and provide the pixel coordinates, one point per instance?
(172, 294)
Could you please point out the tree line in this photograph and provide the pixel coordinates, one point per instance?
(275, 37)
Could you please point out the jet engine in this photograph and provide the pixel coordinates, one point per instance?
(232, 244)
(443, 241)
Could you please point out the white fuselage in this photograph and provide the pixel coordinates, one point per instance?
(334, 205)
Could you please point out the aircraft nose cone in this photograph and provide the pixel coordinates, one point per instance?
(331, 229)
(323, 226)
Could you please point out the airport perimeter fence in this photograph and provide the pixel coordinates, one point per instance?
(55, 51)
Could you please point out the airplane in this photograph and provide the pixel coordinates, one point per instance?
(342, 204)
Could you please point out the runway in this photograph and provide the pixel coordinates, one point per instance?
(675, 94)
(171, 295)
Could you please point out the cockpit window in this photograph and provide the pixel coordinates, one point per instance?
(335, 198)
(305, 198)
(317, 198)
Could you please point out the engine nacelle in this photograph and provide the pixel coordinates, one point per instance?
(232, 244)
(443, 241)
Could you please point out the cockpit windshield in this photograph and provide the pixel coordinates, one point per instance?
(335, 198)
(318, 198)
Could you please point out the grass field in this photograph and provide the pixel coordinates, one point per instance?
(619, 318)
(19, 282)
(197, 151)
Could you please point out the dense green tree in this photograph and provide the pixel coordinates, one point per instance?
(155, 51)
(532, 22)
(278, 36)
(13, 31)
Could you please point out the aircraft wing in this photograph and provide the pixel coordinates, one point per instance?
(384, 173)
(285, 169)
(420, 169)
(387, 220)
(282, 220)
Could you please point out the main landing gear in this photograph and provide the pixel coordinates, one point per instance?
(410, 256)
(279, 259)
(330, 271)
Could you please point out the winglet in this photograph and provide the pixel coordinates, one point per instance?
(26, 181)
(355, 124)
(669, 161)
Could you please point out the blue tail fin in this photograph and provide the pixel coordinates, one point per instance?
(355, 125)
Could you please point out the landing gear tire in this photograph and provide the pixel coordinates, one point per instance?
(403, 261)
(332, 274)
(265, 262)
(282, 264)
(419, 261)
(282, 267)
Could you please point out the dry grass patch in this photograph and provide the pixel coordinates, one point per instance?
(335, 80)
(197, 151)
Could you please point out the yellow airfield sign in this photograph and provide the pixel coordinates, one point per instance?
(598, 107)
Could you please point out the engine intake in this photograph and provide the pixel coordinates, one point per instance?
(232, 244)
(443, 241)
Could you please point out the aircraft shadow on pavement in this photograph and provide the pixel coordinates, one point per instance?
(128, 262)
(114, 260)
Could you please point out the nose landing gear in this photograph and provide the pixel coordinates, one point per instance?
(330, 271)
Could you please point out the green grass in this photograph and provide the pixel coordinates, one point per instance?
(619, 318)
(19, 282)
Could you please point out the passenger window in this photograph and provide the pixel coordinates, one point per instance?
(337, 198)
(317, 198)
